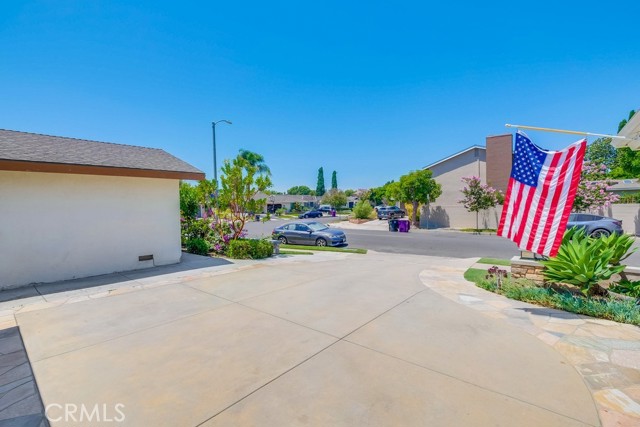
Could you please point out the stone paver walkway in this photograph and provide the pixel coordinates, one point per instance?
(605, 353)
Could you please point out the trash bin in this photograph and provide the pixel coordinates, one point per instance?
(393, 225)
(333, 212)
(257, 217)
(403, 225)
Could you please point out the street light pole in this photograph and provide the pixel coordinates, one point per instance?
(215, 160)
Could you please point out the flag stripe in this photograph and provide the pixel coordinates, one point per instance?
(571, 195)
(558, 199)
(540, 203)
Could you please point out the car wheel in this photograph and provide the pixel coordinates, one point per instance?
(321, 242)
(283, 240)
(306, 216)
(600, 232)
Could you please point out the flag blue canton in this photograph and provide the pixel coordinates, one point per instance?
(527, 161)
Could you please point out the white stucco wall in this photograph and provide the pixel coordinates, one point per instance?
(58, 226)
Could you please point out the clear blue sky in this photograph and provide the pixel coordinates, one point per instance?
(370, 89)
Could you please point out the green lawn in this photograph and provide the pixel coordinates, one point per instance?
(325, 248)
(291, 252)
(494, 261)
(479, 230)
(475, 274)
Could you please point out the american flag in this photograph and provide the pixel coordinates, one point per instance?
(541, 190)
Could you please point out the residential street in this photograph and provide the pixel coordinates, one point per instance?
(445, 243)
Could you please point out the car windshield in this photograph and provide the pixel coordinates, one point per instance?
(316, 226)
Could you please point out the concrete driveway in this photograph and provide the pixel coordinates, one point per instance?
(316, 340)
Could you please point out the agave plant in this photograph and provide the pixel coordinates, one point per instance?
(582, 262)
(620, 243)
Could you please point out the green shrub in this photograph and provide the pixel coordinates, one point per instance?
(261, 249)
(281, 211)
(250, 249)
(627, 287)
(198, 246)
(582, 262)
(239, 249)
(362, 210)
(605, 308)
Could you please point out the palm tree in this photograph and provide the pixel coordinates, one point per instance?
(256, 160)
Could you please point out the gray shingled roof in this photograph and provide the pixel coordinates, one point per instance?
(31, 147)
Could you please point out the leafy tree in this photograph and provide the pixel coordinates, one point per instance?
(256, 160)
(241, 181)
(592, 191)
(302, 190)
(601, 152)
(206, 192)
(320, 190)
(334, 180)
(335, 198)
(378, 195)
(418, 187)
(627, 163)
(623, 122)
(393, 192)
(189, 205)
(349, 192)
(478, 196)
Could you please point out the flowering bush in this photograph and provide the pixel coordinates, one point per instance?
(592, 191)
(479, 196)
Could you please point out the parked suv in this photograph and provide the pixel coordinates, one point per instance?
(325, 208)
(390, 212)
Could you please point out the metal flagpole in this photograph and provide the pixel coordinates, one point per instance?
(572, 132)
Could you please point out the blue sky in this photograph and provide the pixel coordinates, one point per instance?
(370, 89)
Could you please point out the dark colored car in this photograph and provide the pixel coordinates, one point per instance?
(595, 225)
(390, 212)
(309, 233)
(310, 214)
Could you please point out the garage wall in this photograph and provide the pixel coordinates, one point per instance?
(58, 226)
(445, 211)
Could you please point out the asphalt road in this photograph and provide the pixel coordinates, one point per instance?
(423, 242)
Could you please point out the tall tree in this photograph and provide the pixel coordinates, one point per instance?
(301, 190)
(320, 190)
(256, 160)
(623, 122)
(418, 187)
(601, 152)
(334, 180)
(241, 181)
(335, 198)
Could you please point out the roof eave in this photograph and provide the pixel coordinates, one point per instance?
(43, 167)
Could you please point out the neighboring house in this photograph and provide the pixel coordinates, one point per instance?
(492, 164)
(287, 201)
(74, 208)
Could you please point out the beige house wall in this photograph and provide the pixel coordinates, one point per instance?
(628, 213)
(446, 212)
(57, 226)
